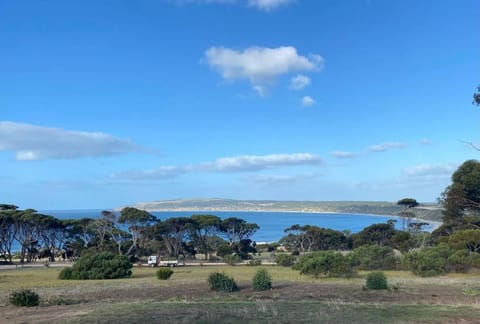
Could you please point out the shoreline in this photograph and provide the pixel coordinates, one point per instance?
(434, 224)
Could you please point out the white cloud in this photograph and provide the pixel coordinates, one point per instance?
(268, 5)
(269, 180)
(427, 170)
(259, 65)
(242, 163)
(343, 154)
(31, 142)
(299, 82)
(259, 162)
(263, 5)
(386, 146)
(308, 101)
(425, 141)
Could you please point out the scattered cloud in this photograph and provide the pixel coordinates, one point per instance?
(259, 162)
(386, 146)
(425, 141)
(31, 142)
(268, 5)
(269, 180)
(308, 101)
(299, 82)
(343, 154)
(242, 163)
(428, 170)
(260, 65)
(263, 5)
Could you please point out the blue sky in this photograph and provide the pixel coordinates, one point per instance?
(106, 103)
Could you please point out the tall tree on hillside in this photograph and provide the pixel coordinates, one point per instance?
(461, 200)
(407, 214)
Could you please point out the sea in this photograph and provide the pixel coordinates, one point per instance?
(272, 224)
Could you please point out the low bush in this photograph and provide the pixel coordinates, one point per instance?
(374, 257)
(219, 281)
(330, 264)
(255, 262)
(104, 265)
(25, 298)
(164, 273)
(232, 259)
(285, 260)
(432, 261)
(376, 281)
(262, 280)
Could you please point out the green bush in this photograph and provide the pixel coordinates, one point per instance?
(374, 257)
(219, 281)
(330, 264)
(24, 297)
(164, 273)
(255, 262)
(376, 281)
(104, 265)
(232, 259)
(262, 280)
(285, 260)
(432, 261)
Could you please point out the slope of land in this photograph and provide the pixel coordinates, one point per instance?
(430, 212)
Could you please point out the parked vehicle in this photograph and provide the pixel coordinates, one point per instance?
(155, 261)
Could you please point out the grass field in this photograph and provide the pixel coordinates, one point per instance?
(185, 298)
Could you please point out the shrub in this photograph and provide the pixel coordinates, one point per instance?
(285, 260)
(219, 281)
(104, 265)
(374, 257)
(262, 280)
(255, 262)
(24, 297)
(376, 281)
(232, 259)
(432, 261)
(330, 264)
(164, 273)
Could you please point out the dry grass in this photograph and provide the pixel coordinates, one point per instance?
(186, 298)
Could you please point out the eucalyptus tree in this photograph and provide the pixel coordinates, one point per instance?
(237, 229)
(108, 226)
(204, 232)
(137, 220)
(406, 214)
(174, 232)
(7, 232)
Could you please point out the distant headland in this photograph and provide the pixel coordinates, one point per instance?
(426, 211)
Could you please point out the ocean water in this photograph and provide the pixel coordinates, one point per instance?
(272, 224)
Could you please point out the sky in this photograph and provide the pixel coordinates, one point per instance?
(106, 103)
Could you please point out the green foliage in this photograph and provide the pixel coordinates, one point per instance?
(25, 298)
(428, 262)
(330, 264)
(164, 273)
(285, 260)
(466, 239)
(232, 259)
(374, 257)
(99, 266)
(255, 262)
(376, 281)
(262, 280)
(219, 281)
(463, 260)
(224, 249)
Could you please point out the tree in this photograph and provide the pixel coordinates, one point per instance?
(476, 97)
(236, 229)
(466, 239)
(136, 220)
(205, 228)
(461, 199)
(406, 214)
(174, 231)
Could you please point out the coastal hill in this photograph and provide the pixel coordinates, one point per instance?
(431, 212)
